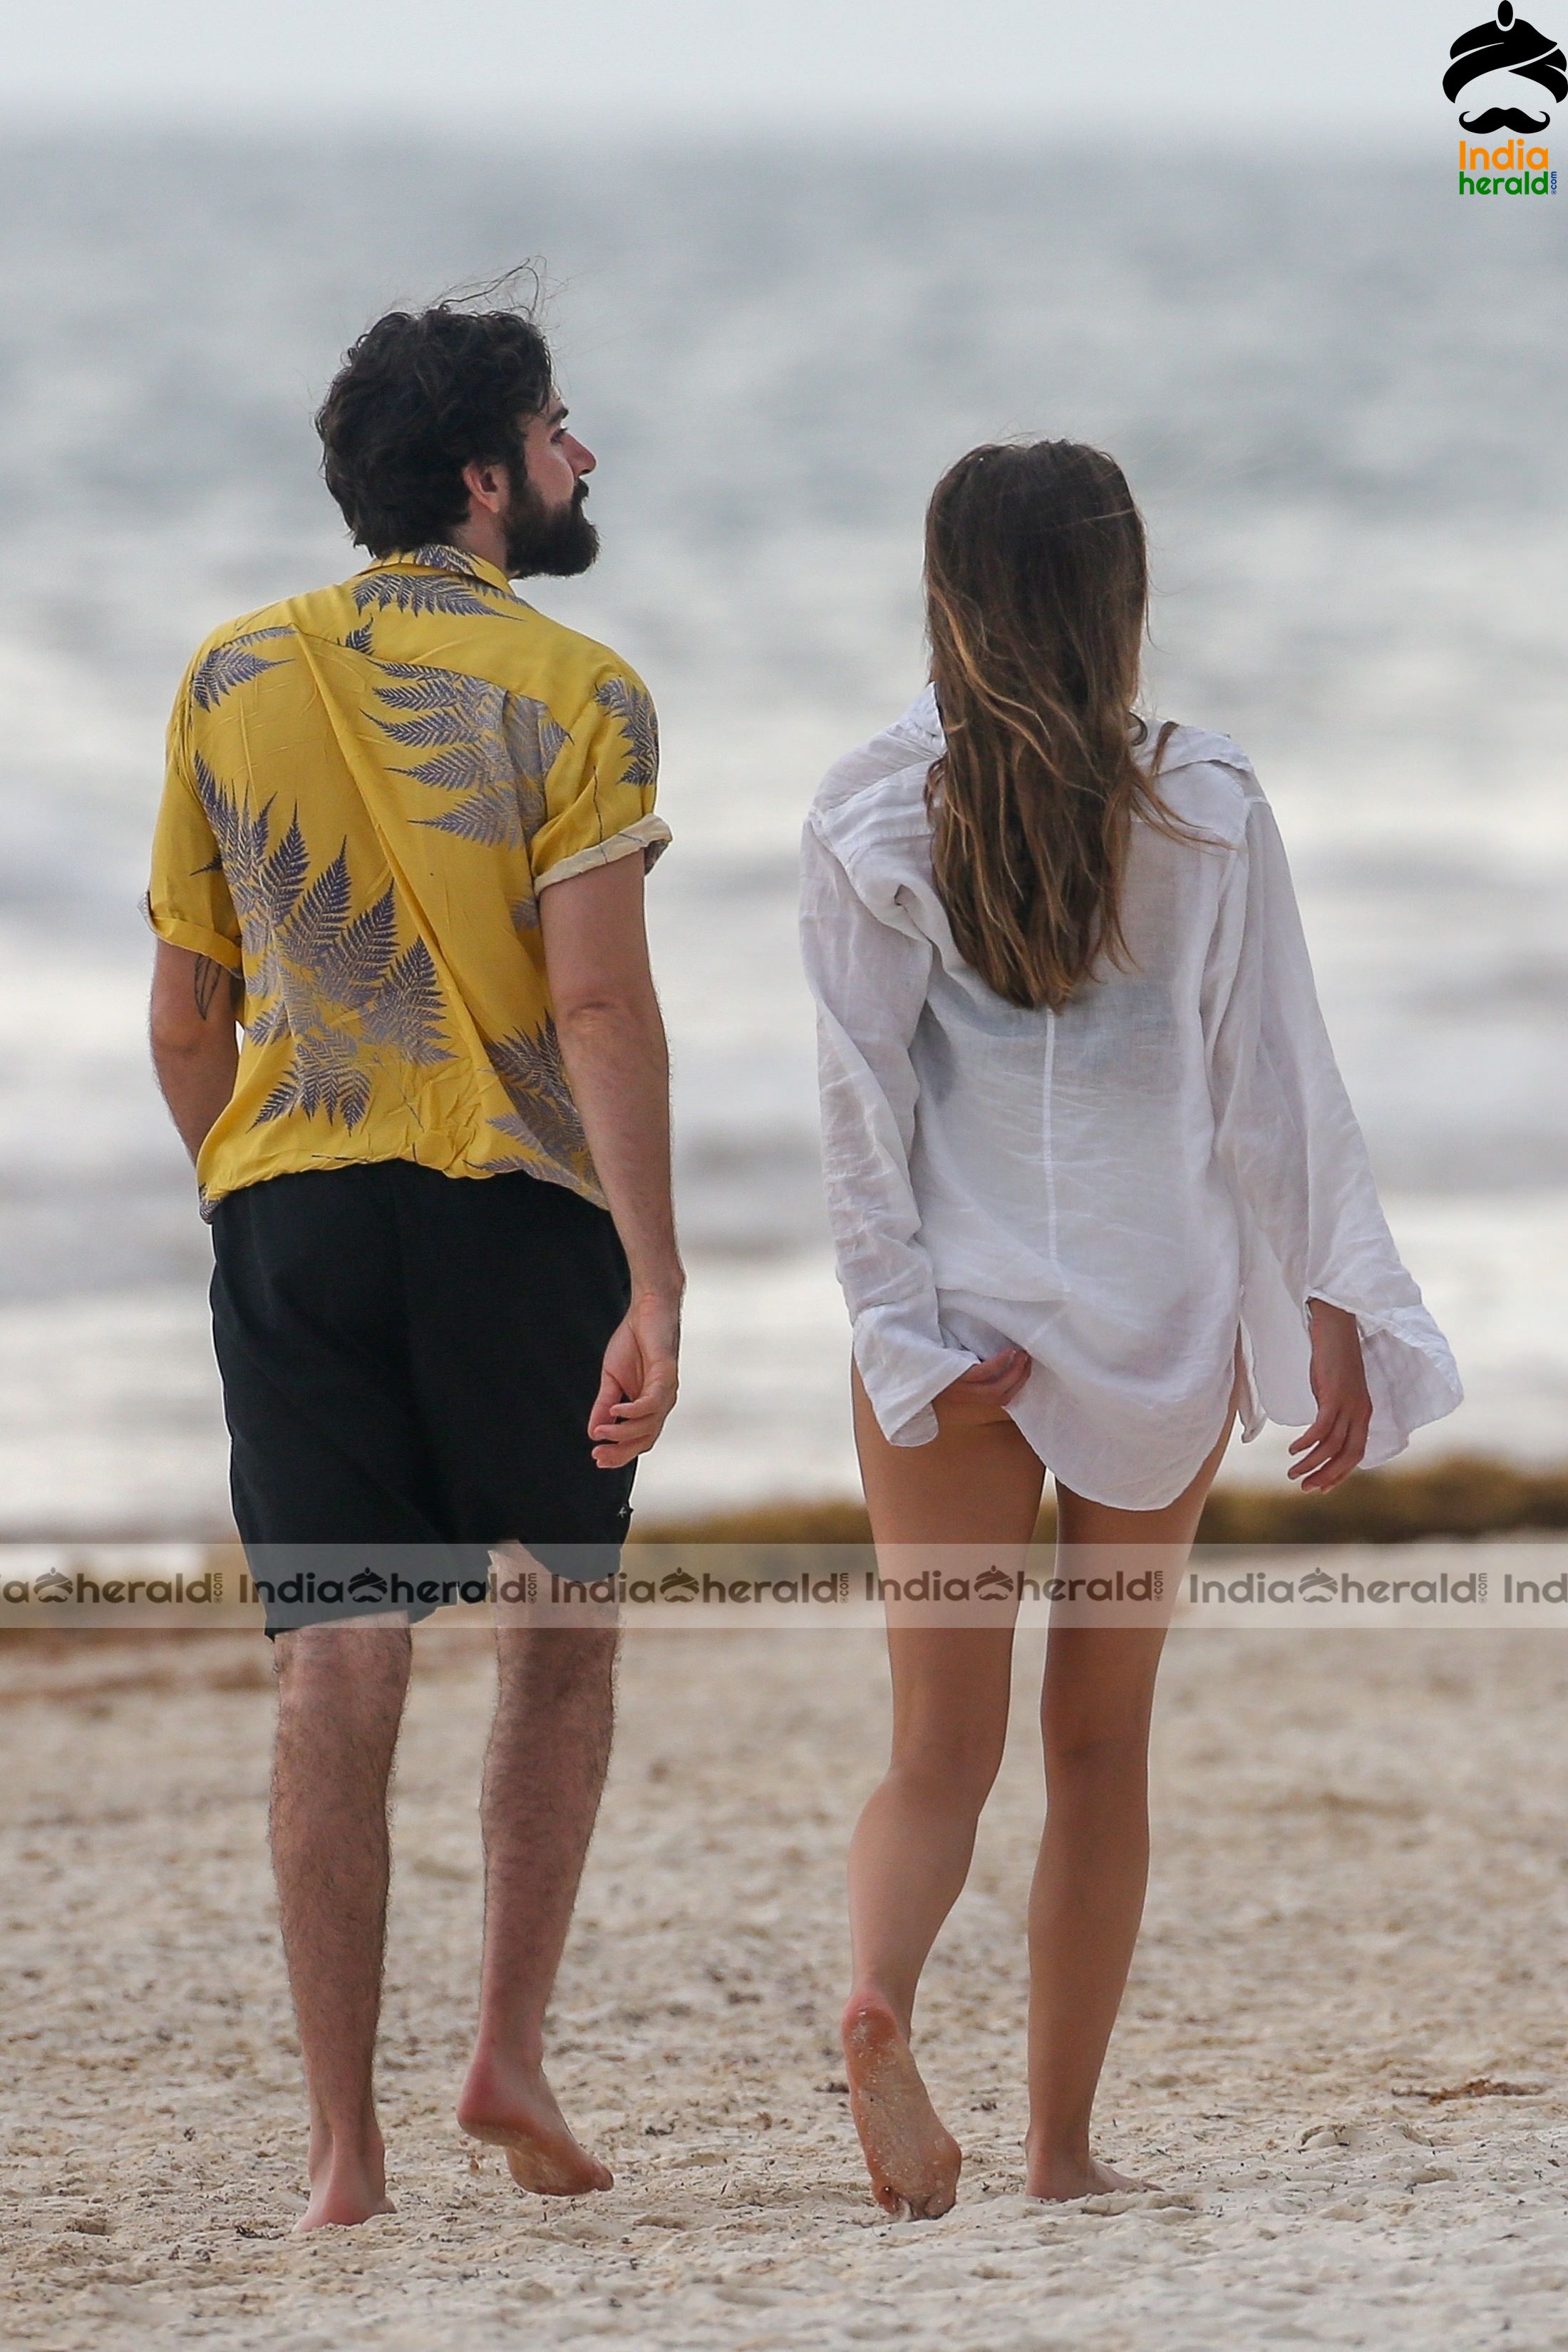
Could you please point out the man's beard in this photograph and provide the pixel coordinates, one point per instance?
(550, 543)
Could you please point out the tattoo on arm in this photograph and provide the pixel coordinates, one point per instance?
(207, 979)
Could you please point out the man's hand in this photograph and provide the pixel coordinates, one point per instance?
(1335, 1443)
(639, 1383)
(984, 1391)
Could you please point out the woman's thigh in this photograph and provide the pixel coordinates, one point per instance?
(979, 1484)
(1099, 1679)
(942, 1514)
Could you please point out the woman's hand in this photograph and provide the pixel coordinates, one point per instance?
(984, 1391)
(1331, 1448)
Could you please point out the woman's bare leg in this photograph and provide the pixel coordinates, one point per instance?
(911, 1850)
(1087, 1896)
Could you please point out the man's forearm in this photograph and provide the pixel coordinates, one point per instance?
(196, 1050)
(197, 1084)
(617, 1064)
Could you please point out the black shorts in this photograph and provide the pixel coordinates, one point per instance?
(408, 1361)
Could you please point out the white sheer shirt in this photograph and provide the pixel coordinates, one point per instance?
(1143, 1189)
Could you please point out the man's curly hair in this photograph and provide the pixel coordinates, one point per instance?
(419, 396)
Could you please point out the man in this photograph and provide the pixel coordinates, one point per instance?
(403, 841)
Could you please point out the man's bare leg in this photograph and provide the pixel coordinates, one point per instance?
(1087, 1901)
(340, 1690)
(549, 1752)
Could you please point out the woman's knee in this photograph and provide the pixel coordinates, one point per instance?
(948, 1768)
(1085, 1749)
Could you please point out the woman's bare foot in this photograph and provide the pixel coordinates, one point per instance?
(1058, 2178)
(913, 2162)
(346, 2186)
(510, 2105)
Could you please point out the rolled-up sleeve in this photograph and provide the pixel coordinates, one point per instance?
(601, 785)
(869, 977)
(188, 901)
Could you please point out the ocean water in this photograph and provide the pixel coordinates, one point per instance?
(1338, 394)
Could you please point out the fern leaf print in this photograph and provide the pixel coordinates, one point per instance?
(229, 665)
(311, 966)
(406, 1010)
(352, 804)
(632, 707)
(282, 878)
(416, 591)
(543, 1115)
(317, 923)
(356, 966)
(485, 747)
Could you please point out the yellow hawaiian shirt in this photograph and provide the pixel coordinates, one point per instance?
(368, 787)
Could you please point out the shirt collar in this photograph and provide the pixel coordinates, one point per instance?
(438, 557)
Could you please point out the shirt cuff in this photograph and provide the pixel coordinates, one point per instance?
(903, 1369)
(195, 937)
(649, 834)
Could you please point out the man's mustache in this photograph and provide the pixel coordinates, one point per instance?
(1504, 118)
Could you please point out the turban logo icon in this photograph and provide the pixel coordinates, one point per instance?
(1511, 47)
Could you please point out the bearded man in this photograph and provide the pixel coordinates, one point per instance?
(404, 1020)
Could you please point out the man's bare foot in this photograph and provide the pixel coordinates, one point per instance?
(1059, 2179)
(346, 2188)
(510, 2105)
(913, 2162)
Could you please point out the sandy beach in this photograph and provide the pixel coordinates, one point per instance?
(1341, 2051)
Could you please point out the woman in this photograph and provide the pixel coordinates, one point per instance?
(1095, 1187)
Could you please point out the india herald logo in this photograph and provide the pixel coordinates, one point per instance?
(1499, 55)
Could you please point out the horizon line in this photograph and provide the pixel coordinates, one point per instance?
(1153, 130)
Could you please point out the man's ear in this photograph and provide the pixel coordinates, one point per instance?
(488, 485)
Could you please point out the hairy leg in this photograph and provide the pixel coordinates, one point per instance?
(340, 1690)
(1087, 1901)
(977, 1487)
(549, 1752)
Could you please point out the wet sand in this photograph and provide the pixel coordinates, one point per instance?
(1360, 1898)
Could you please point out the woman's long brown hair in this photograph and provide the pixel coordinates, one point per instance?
(1036, 590)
